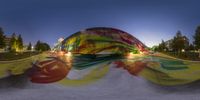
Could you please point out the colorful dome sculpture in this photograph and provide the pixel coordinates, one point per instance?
(101, 40)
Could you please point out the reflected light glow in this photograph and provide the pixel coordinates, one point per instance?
(132, 55)
(61, 53)
(68, 54)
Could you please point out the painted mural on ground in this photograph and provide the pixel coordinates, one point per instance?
(85, 57)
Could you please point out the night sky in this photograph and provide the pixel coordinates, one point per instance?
(148, 20)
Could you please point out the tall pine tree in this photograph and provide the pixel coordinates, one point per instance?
(20, 42)
(13, 42)
(197, 39)
(179, 42)
(29, 46)
(2, 37)
(37, 46)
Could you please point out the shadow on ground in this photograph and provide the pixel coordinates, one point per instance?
(17, 81)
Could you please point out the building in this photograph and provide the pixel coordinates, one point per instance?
(7, 42)
(169, 42)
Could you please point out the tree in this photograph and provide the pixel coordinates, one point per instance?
(44, 47)
(40, 46)
(191, 47)
(162, 46)
(13, 43)
(29, 46)
(16, 43)
(2, 37)
(37, 46)
(179, 42)
(155, 48)
(197, 39)
(20, 42)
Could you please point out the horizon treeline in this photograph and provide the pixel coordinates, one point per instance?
(15, 43)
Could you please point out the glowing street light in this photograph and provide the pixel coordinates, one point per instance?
(32, 47)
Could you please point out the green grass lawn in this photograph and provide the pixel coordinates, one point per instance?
(19, 66)
(7, 56)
